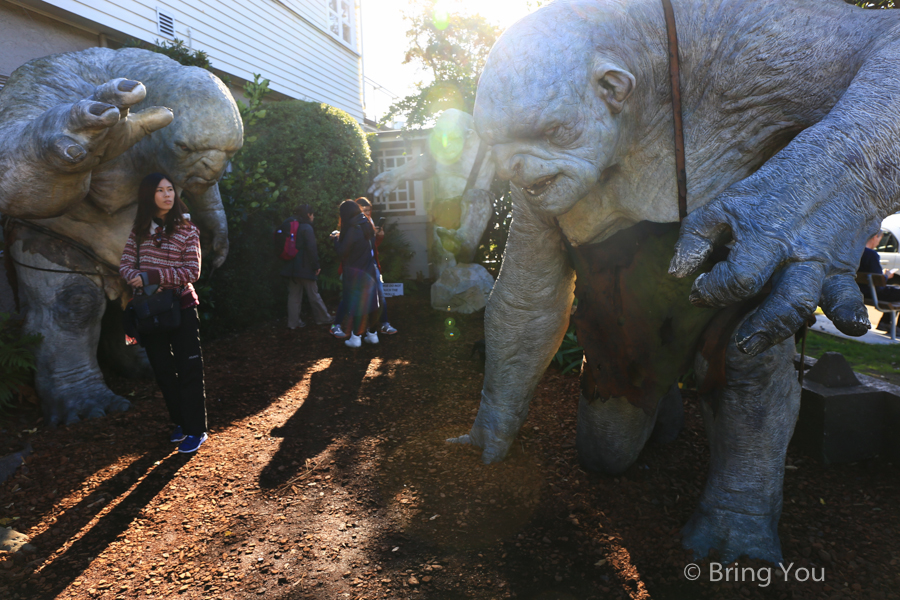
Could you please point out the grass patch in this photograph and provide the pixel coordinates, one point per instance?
(881, 359)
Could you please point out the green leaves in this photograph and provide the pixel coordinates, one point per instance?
(16, 358)
(294, 153)
(570, 353)
(453, 47)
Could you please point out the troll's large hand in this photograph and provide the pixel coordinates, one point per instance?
(803, 218)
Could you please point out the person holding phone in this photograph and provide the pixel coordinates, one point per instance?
(353, 243)
(384, 325)
(366, 208)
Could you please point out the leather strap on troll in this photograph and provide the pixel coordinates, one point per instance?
(675, 82)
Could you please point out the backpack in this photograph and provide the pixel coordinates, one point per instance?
(285, 239)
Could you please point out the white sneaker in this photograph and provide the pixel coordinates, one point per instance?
(354, 342)
(371, 337)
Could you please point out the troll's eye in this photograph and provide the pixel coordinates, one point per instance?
(551, 132)
(182, 147)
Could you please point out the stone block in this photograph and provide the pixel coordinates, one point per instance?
(846, 418)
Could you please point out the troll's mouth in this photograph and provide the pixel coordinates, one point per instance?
(540, 186)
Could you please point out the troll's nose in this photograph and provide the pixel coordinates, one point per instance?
(509, 165)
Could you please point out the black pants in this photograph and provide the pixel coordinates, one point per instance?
(178, 366)
(890, 293)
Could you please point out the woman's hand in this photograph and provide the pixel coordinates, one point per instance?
(137, 282)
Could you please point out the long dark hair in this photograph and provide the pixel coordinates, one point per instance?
(303, 212)
(348, 210)
(147, 208)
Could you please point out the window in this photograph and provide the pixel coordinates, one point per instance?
(888, 243)
(340, 19)
(402, 201)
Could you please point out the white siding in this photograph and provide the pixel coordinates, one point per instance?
(286, 41)
(313, 10)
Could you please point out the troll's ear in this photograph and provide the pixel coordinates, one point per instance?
(613, 84)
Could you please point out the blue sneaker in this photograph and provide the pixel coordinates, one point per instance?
(192, 443)
(177, 435)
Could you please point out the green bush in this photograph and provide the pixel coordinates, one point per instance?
(16, 359)
(570, 353)
(319, 155)
(394, 253)
(294, 152)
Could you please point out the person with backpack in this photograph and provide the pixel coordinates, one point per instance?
(354, 244)
(296, 246)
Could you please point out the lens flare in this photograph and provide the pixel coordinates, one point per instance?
(448, 137)
(441, 17)
(451, 332)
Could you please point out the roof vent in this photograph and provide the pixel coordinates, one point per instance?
(165, 23)
(3, 79)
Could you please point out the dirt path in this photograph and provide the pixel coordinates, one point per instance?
(326, 476)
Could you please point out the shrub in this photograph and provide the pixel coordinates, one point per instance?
(16, 359)
(394, 253)
(294, 152)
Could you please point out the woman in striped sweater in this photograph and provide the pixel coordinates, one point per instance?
(169, 258)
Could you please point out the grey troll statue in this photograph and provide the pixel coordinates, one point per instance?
(792, 136)
(78, 132)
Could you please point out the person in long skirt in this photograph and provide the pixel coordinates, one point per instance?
(354, 245)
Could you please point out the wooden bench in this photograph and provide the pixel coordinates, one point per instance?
(874, 281)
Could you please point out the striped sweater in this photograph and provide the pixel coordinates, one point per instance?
(172, 264)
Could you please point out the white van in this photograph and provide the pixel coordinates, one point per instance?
(889, 248)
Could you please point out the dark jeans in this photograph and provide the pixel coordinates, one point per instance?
(178, 366)
(891, 293)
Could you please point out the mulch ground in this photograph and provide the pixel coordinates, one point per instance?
(327, 476)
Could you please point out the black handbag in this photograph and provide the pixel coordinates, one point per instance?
(157, 312)
(152, 313)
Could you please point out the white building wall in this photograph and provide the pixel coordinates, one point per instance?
(286, 41)
(26, 35)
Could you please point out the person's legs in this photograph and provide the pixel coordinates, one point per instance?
(359, 324)
(295, 297)
(888, 294)
(159, 353)
(188, 359)
(385, 327)
(374, 319)
(383, 319)
(319, 311)
(374, 326)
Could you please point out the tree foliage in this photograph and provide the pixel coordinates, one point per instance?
(17, 363)
(874, 4)
(452, 49)
(176, 50)
(294, 153)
